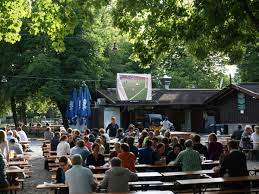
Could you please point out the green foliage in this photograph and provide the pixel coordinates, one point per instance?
(12, 14)
(248, 69)
(55, 18)
(204, 27)
(188, 72)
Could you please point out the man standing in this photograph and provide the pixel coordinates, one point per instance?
(189, 159)
(116, 179)
(112, 127)
(80, 180)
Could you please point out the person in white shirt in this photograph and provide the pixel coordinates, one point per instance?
(166, 124)
(63, 148)
(80, 180)
(22, 134)
(4, 146)
(255, 138)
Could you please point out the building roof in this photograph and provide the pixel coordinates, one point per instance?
(251, 89)
(164, 97)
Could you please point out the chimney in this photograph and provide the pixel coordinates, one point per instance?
(166, 81)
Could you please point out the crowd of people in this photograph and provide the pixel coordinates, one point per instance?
(10, 147)
(78, 152)
(89, 148)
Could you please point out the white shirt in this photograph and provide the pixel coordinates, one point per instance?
(63, 148)
(23, 136)
(4, 148)
(166, 124)
(255, 138)
(79, 180)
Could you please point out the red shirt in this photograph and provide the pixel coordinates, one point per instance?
(128, 160)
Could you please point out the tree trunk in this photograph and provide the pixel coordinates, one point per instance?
(13, 108)
(23, 112)
(63, 108)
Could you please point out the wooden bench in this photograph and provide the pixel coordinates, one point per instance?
(229, 191)
(12, 189)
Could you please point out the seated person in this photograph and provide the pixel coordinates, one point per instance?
(64, 165)
(100, 142)
(105, 144)
(188, 159)
(116, 179)
(78, 178)
(215, 149)
(3, 178)
(221, 158)
(246, 141)
(80, 149)
(234, 164)
(88, 144)
(202, 149)
(48, 134)
(158, 153)
(117, 147)
(132, 147)
(238, 133)
(102, 132)
(146, 153)
(168, 148)
(95, 158)
(171, 156)
(128, 159)
(54, 141)
(143, 135)
(16, 147)
(63, 147)
(120, 134)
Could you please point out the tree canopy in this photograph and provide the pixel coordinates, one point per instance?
(204, 27)
(55, 18)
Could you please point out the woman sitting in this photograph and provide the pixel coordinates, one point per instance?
(158, 153)
(215, 149)
(171, 156)
(64, 165)
(95, 158)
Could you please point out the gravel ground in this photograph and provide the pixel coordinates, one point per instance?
(39, 174)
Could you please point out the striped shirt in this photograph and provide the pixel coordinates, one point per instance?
(189, 160)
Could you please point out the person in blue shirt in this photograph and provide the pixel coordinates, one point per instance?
(81, 150)
(112, 128)
(146, 153)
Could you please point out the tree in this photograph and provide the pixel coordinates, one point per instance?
(248, 68)
(204, 27)
(55, 18)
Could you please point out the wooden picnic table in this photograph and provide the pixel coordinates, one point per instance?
(139, 174)
(197, 183)
(17, 163)
(186, 173)
(24, 142)
(141, 167)
(12, 171)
